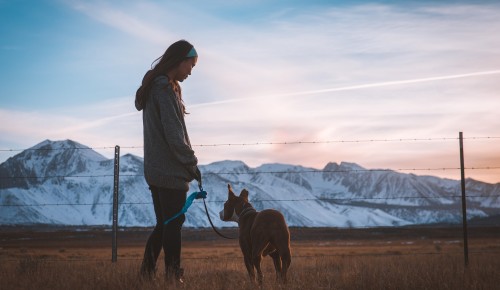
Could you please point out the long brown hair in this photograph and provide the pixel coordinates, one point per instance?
(172, 57)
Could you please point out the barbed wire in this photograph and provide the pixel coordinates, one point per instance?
(60, 204)
(342, 141)
(264, 172)
(266, 200)
(61, 148)
(268, 143)
(57, 176)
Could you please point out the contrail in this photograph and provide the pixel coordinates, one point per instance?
(350, 88)
(95, 123)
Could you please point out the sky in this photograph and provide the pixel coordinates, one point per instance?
(384, 84)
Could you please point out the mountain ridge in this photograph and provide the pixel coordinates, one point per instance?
(67, 183)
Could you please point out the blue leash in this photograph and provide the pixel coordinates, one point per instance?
(189, 201)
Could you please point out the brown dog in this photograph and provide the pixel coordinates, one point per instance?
(261, 233)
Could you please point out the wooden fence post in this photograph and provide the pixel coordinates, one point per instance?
(464, 204)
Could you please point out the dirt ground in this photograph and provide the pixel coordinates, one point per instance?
(322, 258)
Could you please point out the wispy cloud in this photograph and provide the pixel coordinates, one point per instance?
(350, 88)
(99, 124)
(330, 73)
(124, 21)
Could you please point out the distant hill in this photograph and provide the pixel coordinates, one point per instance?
(67, 183)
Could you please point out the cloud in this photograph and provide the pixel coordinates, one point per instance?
(123, 21)
(349, 88)
(98, 125)
(346, 72)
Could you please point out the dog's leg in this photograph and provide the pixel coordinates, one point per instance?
(246, 250)
(259, 245)
(249, 265)
(256, 262)
(286, 259)
(282, 244)
(277, 264)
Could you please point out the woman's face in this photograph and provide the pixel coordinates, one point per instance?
(184, 68)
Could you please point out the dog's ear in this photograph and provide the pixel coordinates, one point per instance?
(244, 194)
(230, 193)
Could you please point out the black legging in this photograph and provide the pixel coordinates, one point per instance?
(167, 202)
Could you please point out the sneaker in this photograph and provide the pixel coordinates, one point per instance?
(179, 276)
(176, 276)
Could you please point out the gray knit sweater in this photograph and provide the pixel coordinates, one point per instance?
(169, 161)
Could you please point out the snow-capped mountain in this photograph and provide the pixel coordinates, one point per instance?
(67, 183)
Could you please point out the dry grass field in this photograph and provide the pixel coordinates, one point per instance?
(404, 258)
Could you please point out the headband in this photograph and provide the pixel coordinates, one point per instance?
(192, 53)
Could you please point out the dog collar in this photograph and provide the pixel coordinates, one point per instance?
(246, 210)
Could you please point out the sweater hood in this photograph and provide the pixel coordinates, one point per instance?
(142, 93)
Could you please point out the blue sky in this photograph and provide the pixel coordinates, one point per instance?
(269, 71)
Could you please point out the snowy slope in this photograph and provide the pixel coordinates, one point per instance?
(67, 183)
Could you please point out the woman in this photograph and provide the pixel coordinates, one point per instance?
(169, 161)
